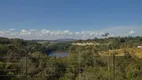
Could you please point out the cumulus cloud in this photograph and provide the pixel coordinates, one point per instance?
(25, 32)
(12, 29)
(132, 32)
(60, 34)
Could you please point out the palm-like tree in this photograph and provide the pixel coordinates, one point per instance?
(105, 35)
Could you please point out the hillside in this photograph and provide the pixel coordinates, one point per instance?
(121, 52)
(91, 61)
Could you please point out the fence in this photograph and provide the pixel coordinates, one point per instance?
(25, 64)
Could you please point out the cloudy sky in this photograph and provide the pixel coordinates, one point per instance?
(78, 19)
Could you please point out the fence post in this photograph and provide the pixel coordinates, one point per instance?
(26, 68)
(113, 63)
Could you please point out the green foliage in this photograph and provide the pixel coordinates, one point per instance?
(1, 65)
(28, 60)
(134, 71)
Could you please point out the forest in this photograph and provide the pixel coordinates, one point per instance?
(115, 58)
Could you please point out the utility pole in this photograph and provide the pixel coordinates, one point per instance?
(106, 36)
(79, 62)
(26, 66)
(113, 65)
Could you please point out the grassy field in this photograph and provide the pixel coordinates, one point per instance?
(120, 52)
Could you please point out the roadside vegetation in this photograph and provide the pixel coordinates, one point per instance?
(116, 58)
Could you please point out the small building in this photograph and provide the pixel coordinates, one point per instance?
(83, 44)
(139, 47)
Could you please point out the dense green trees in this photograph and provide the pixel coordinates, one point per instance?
(28, 60)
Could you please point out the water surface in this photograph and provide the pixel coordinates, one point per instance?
(59, 54)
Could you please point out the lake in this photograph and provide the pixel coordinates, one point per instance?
(59, 54)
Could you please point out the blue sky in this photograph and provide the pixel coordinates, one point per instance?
(72, 15)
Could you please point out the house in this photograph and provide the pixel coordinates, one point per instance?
(139, 47)
(84, 44)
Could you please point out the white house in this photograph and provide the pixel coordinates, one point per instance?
(85, 44)
(139, 47)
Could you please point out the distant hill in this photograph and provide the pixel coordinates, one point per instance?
(65, 40)
(54, 41)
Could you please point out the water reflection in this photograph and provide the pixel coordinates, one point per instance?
(59, 54)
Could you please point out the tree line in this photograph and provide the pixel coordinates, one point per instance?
(28, 60)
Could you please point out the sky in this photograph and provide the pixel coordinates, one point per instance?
(79, 19)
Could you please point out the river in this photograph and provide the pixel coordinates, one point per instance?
(59, 54)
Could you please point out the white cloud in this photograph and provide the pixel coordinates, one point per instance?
(77, 33)
(32, 29)
(1, 32)
(66, 31)
(25, 32)
(12, 29)
(132, 32)
(59, 34)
